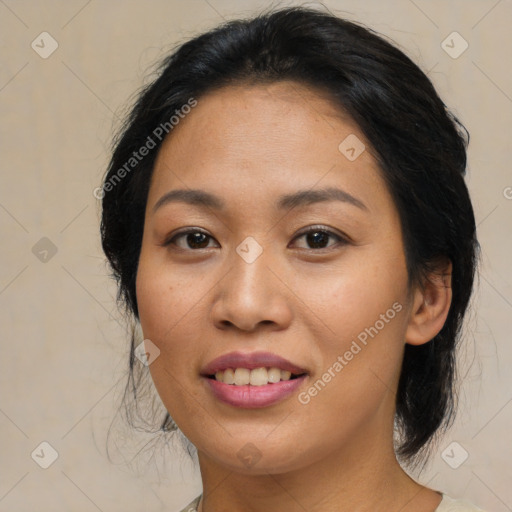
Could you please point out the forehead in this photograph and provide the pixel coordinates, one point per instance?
(259, 138)
(233, 119)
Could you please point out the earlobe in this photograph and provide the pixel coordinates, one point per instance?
(431, 304)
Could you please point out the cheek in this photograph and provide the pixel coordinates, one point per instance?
(160, 308)
(152, 298)
(363, 307)
(361, 356)
(352, 295)
(166, 313)
(171, 311)
(160, 297)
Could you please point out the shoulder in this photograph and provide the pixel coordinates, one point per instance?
(192, 506)
(449, 504)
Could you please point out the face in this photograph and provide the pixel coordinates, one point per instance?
(318, 279)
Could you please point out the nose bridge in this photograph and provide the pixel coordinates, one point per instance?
(249, 280)
(250, 294)
(248, 267)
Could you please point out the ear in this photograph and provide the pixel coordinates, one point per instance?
(430, 305)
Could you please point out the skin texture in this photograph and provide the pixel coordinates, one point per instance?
(249, 145)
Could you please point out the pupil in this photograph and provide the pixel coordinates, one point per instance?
(197, 240)
(317, 238)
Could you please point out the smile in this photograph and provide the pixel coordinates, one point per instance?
(256, 377)
(251, 396)
(252, 380)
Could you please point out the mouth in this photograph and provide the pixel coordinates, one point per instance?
(255, 377)
(254, 368)
(252, 380)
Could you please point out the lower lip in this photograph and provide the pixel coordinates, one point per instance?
(253, 397)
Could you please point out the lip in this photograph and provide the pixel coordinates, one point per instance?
(253, 397)
(250, 361)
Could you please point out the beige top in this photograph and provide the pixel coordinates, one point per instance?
(447, 505)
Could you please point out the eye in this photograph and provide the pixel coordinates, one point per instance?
(317, 237)
(190, 239)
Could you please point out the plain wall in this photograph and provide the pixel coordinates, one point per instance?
(64, 344)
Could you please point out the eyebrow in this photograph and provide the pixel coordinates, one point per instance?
(202, 198)
(305, 197)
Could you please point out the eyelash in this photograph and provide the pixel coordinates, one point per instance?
(341, 239)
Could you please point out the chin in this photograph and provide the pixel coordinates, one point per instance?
(258, 457)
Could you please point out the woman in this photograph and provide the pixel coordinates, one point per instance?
(286, 214)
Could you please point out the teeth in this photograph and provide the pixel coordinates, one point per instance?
(274, 375)
(257, 377)
(242, 376)
(228, 377)
(285, 375)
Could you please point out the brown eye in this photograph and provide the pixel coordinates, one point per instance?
(318, 238)
(190, 240)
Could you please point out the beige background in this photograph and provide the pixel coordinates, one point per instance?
(63, 343)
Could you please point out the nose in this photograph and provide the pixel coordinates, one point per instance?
(252, 296)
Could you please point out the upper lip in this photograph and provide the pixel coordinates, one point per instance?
(250, 361)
